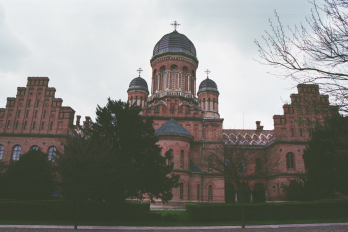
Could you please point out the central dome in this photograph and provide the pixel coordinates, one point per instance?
(175, 42)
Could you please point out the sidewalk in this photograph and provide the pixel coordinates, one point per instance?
(342, 226)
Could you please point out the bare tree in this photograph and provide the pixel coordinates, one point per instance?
(314, 53)
(241, 164)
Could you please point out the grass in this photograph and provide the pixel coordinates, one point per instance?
(179, 218)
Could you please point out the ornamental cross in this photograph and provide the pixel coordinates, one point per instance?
(139, 71)
(207, 72)
(175, 25)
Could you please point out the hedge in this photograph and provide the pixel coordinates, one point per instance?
(63, 210)
(269, 211)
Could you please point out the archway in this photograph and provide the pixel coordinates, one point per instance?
(229, 193)
(259, 193)
(244, 190)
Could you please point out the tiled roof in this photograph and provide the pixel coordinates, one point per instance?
(172, 127)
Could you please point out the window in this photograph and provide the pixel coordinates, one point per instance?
(35, 114)
(290, 160)
(243, 165)
(27, 115)
(51, 153)
(38, 101)
(8, 123)
(42, 125)
(300, 131)
(170, 160)
(34, 124)
(181, 187)
(292, 131)
(210, 193)
(198, 188)
(19, 113)
(308, 122)
(16, 152)
(16, 124)
(257, 165)
(44, 114)
(1, 151)
(34, 148)
(29, 102)
(51, 126)
(25, 125)
(182, 159)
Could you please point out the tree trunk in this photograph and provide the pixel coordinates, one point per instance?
(76, 213)
(242, 208)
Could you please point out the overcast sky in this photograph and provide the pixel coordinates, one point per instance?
(91, 50)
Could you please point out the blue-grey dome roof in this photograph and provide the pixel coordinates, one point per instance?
(138, 83)
(172, 127)
(175, 42)
(208, 85)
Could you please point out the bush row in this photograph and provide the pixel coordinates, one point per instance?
(269, 211)
(62, 210)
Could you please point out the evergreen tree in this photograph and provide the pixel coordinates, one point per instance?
(326, 159)
(136, 166)
(30, 178)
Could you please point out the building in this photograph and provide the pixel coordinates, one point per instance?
(186, 122)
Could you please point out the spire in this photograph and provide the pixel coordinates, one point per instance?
(175, 24)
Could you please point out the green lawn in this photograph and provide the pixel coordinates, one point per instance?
(170, 218)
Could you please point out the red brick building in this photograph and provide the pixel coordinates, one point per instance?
(186, 123)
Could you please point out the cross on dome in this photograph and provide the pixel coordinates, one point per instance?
(207, 72)
(175, 24)
(139, 71)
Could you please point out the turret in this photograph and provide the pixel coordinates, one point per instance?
(208, 98)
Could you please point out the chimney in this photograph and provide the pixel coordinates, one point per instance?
(78, 117)
(86, 123)
(258, 126)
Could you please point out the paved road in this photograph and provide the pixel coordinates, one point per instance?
(339, 227)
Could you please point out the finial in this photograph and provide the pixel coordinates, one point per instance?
(175, 24)
(207, 72)
(139, 71)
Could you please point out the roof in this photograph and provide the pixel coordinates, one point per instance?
(208, 83)
(138, 83)
(173, 41)
(172, 127)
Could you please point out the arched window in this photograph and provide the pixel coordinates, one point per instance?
(257, 164)
(162, 81)
(1, 151)
(198, 191)
(182, 159)
(34, 148)
(171, 152)
(16, 152)
(290, 160)
(210, 193)
(181, 186)
(52, 153)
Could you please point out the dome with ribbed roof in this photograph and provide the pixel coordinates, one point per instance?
(172, 127)
(175, 42)
(208, 85)
(138, 83)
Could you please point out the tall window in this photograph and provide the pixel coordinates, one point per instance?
(8, 123)
(198, 190)
(44, 114)
(19, 113)
(35, 114)
(16, 124)
(1, 151)
(210, 193)
(170, 161)
(290, 160)
(257, 165)
(29, 102)
(38, 101)
(51, 126)
(25, 125)
(182, 159)
(42, 125)
(51, 153)
(16, 152)
(27, 115)
(181, 191)
(300, 131)
(292, 131)
(34, 123)
(243, 165)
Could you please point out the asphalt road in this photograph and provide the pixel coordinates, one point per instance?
(279, 228)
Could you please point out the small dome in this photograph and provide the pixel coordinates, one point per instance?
(172, 127)
(208, 85)
(138, 83)
(175, 42)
